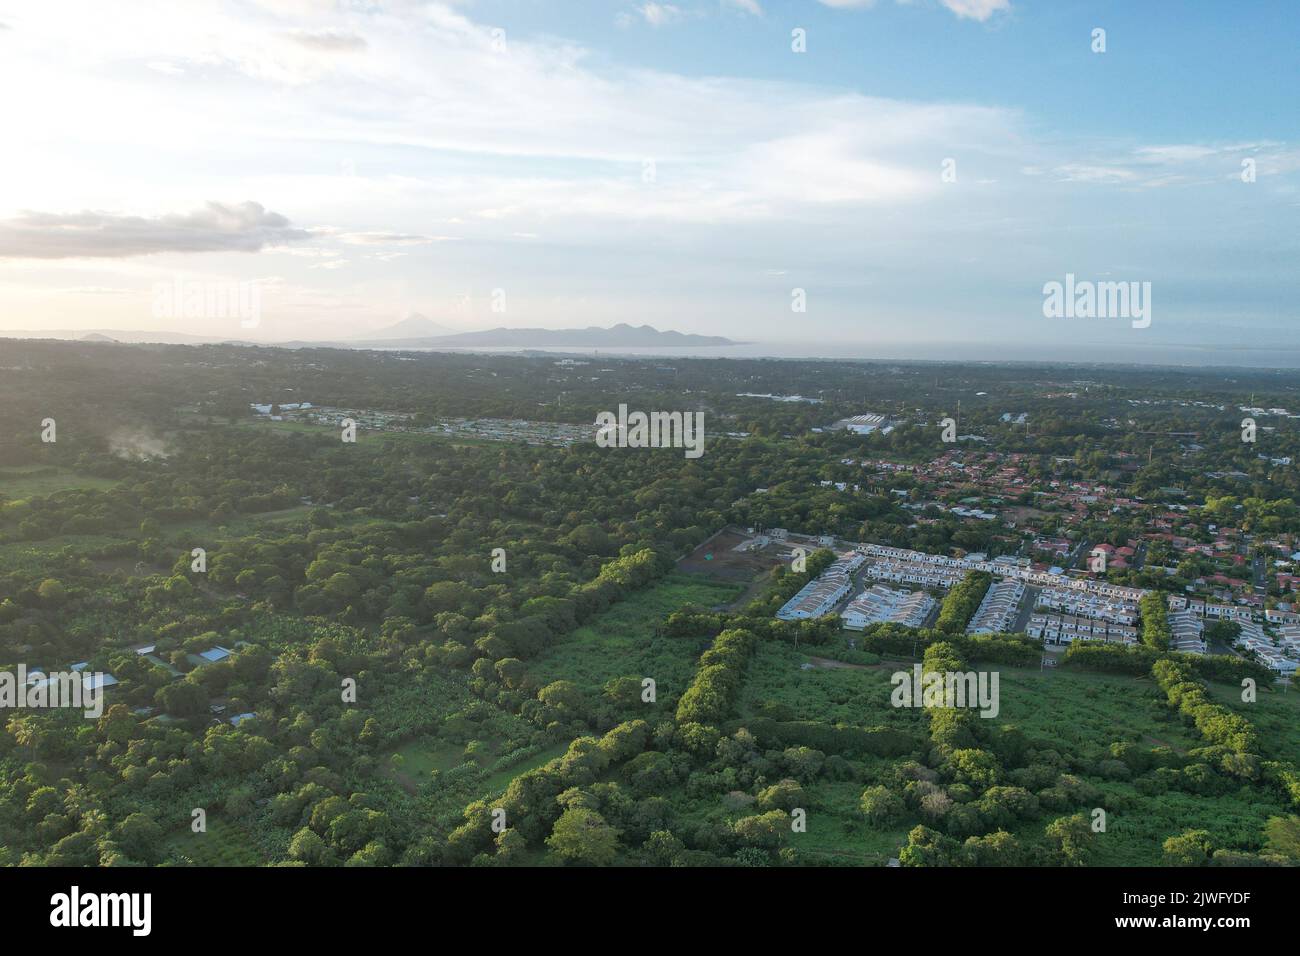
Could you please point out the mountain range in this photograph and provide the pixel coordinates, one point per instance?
(621, 335)
(418, 332)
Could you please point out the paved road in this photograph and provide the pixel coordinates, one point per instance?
(1139, 556)
(1027, 602)
(1073, 557)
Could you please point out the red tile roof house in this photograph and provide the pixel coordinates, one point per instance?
(1224, 579)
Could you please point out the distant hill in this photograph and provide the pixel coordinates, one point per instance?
(617, 336)
(129, 336)
(397, 336)
(414, 326)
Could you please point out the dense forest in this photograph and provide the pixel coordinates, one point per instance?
(398, 650)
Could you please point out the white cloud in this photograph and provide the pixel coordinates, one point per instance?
(390, 239)
(1180, 153)
(979, 10)
(1085, 173)
(428, 134)
(329, 41)
(659, 14)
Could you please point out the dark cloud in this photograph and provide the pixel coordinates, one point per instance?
(217, 227)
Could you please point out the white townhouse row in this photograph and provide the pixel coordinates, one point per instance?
(1254, 641)
(885, 552)
(922, 575)
(997, 612)
(1279, 617)
(1059, 629)
(1290, 647)
(882, 605)
(1288, 635)
(1186, 632)
(1006, 569)
(1084, 604)
(1253, 631)
(1215, 612)
(820, 596)
(1273, 658)
(1251, 642)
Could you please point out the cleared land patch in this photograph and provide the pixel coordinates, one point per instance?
(622, 640)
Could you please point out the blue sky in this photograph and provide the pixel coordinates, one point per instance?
(529, 163)
(1168, 70)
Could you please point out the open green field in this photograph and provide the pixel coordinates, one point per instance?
(1137, 825)
(497, 782)
(1072, 711)
(224, 844)
(304, 428)
(27, 481)
(622, 641)
(838, 835)
(777, 685)
(415, 759)
(1275, 714)
(35, 555)
(238, 525)
(1082, 712)
(369, 436)
(420, 757)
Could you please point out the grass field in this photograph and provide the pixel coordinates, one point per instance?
(1075, 712)
(497, 782)
(419, 757)
(1274, 714)
(369, 436)
(1137, 825)
(838, 835)
(1084, 712)
(243, 524)
(622, 641)
(26, 481)
(38, 554)
(224, 844)
(304, 428)
(858, 696)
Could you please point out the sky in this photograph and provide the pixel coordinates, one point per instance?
(876, 175)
